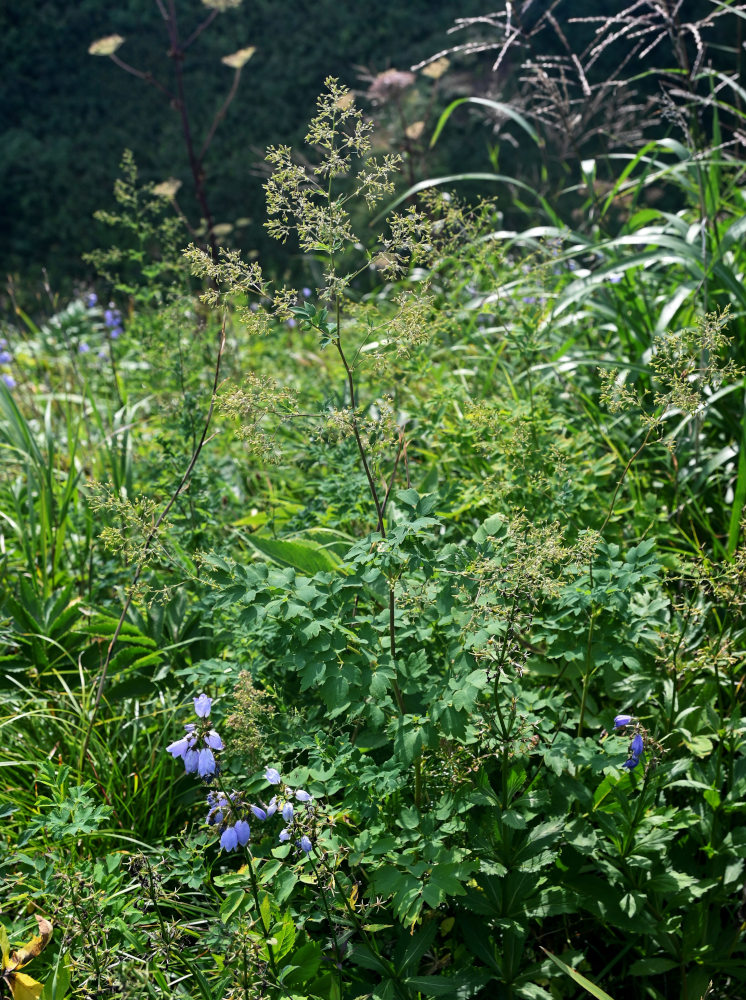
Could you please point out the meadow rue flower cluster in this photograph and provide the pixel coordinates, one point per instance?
(197, 748)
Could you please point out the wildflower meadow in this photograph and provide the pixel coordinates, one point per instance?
(372, 615)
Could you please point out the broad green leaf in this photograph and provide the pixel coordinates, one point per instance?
(307, 557)
(266, 912)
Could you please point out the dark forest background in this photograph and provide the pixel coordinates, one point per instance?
(67, 116)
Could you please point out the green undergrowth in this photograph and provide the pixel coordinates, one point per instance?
(452, 542)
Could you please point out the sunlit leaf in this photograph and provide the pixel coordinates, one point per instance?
(23, 987)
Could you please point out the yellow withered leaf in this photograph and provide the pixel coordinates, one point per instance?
(23, 987)
(35, 946)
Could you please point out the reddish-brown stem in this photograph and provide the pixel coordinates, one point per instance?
(177, 54)
(142, 75)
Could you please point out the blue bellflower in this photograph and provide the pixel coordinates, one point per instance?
(202, 705)
(179, 747)
(206, 763)
(196, 748)
(229, 839)
(636, 750)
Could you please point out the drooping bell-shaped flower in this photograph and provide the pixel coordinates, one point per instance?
(287, 812)
(206, 763)
(202, 705)
(622, 720)
(213, 740)
(191, 761)
(258, 812)
(273, 776)
(229, 839)
(284, 836)
(305, 844)
(303, 796)
(179, 747)
(243, 832)
(637, 746)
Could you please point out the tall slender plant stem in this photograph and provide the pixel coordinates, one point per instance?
(380, 507)
(195, 165)
(145, 551)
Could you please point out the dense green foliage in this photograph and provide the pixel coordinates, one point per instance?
(445, 543)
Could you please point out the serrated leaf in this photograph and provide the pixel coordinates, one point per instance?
(266, 912)
(231, 903)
